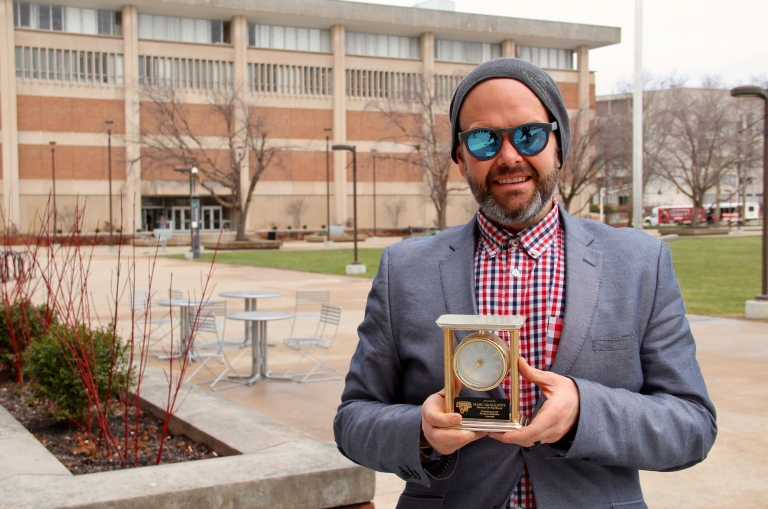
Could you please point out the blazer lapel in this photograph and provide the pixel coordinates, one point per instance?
(457, 273)
(583, 274)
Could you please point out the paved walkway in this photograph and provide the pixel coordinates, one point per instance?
(733, 355)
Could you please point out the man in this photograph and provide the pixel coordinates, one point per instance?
(610, 378)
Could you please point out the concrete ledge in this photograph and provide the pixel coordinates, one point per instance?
(335, 238)
(22, 454)
(242, 245)
(757, 309)
(280, 467)
(693, 232)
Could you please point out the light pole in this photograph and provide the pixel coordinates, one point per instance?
(355, 267)
(759, 307)
(109, 166)
(373, 151)
(53, 184)
(194, 209)
(328, 241)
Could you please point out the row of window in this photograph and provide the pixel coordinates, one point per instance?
(172, 28)
(290, 38)
(93, 67)
(190, 73)
(391, 46)
(548, 58)
(290, 79)
(66, 19)
(462, 51)
(398, 86)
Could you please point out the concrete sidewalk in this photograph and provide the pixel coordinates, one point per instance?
(733, 356)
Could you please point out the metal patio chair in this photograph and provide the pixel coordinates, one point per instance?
(315, 349)
(305, 301)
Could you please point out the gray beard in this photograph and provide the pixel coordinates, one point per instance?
(499, 214)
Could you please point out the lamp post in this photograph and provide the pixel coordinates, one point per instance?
(328, 241)
(53, 184)
(373, 151)
(355, 267)
(759, 307)
(109, 166)
(194, 209)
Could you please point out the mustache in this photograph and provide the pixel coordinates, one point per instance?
(519, 170)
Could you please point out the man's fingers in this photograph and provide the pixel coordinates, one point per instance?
(533, 375)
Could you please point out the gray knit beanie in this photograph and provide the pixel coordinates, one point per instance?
(531, 76)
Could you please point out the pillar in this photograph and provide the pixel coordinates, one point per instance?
(338, 45)
(582, 53)
(428, 52)
(240, 45)
(508, 48)
(10, 130)
(132, 188)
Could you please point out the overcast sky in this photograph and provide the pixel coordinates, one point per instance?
(692, 38)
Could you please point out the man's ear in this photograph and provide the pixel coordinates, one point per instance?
(462, 162)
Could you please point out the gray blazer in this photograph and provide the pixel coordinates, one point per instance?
(625, 342)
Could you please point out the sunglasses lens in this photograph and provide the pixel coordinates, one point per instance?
(483, 144)
(530, 140)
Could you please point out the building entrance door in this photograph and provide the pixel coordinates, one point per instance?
(181, 218)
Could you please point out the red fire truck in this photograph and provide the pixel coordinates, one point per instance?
(674, 215)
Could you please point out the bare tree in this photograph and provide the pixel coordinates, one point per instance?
(417, 117)
(296, 208)
(172, 135)
(586, 158)
(394, 208)
(703, 142)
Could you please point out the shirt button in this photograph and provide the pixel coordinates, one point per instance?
(515, 242)
(516, 272)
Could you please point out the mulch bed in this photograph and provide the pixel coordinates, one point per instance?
(80, 453)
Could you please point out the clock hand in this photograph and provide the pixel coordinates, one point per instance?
(479, 363)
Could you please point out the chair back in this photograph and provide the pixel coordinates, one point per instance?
(211, 317)
(311, 297)
(175, 294)
(330, 316)
(142, 301)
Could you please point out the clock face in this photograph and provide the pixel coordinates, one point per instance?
(481, 361)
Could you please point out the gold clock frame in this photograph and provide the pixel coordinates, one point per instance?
(483, 323)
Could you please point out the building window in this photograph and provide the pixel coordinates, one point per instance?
(186, 73)
(623, 200)
(549, 58)
(290, 38)
(290, 79)
(46, 64)
(391, 46)
(67, 19)
(462, 51)
(172, 28)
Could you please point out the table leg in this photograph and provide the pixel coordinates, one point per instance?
(183, 333)
(264, 372)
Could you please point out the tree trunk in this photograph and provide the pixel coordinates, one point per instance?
(240, 222)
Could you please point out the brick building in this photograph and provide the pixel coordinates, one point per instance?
(67, 68)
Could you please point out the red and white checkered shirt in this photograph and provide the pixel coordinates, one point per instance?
(524, 274)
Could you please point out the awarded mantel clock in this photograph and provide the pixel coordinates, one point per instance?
(481, 362)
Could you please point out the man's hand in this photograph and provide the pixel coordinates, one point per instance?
(434, 419)
(558, 414)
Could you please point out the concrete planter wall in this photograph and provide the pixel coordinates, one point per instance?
(264, 464)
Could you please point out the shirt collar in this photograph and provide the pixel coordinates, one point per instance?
(534, 240)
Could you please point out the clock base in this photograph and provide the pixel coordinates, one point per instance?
(488, 426)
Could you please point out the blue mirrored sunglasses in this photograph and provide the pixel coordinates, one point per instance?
(528, 139)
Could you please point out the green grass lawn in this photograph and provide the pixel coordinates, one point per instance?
(717, 274)
(323, 261)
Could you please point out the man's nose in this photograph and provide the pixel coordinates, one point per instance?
(508, 154)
